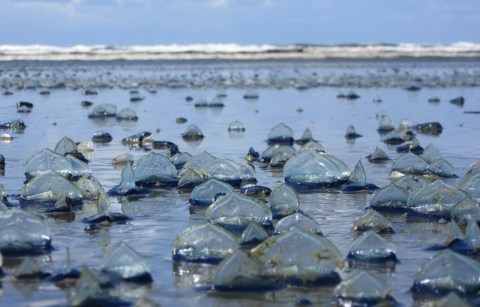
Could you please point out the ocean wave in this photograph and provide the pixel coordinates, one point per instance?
(236, 51)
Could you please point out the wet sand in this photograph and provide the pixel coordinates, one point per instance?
(157, 220)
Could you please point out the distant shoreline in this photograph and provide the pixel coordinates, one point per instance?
(239, 52)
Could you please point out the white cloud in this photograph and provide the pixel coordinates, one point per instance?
(65, 7)
(219, 3)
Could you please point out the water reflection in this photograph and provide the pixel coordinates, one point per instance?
(383, 267)
(158, 218)
(236, 134)
(193, 275)
(193, 143)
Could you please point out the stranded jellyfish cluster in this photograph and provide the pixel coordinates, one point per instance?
(252, 237)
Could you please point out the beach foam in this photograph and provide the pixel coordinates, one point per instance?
(236, 51)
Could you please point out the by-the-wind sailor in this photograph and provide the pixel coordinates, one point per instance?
(127, 184)
(406, 125)
(378, 156)
(180, 158)
(471, 186)
(253, 234)
(471, 174)
(459, 101)
(23, 233)
(466, 210)
(441, 168)
(281, 133)
(88, 292)
(241, 271)
(192, 132)
(410, 164)
(3, 199)
(78, 167)
(351, 95)
(457, 241)
(475, 165)
(204, 194)
(204, 243)
(413, 88)
(48, 187)
(62, 205)
(104, 214)
(306, 137)
(24, 106)
(281, 154)
(235, 212)
(374, 221)
(201, 102)
(411, 182)
(189, 178)
(301, 86)
(300, 221)
(357, 181)
(216, 102)
(101, 137)
(362, 289)
(252, 155)
(431, 128)
(65, 145)
(103, 110)
(452, 299)
(85, 146)
(390, 197)
(89, 186)
(236, 126)
(29, 269)
(155, 170)
(89, 91)
(267, 154)
(122, 159)
(86, 103)
(472, 237)
(254, 190)
(431, 154)
(385, 123)
(434, 200)
(279, 151)
(247, 173)
(137, 138)
(300, 258)
(197, 162)
(124, 262)
(16, 124)
(316, 146)
(371, 247)
(222, 169)
(448, 271)
(135, 96)
(413, 147)
(311, 170)
(351, 133)
(45, 160)
(283, 201)
(127, 114)
(251, 94)
(393, 137)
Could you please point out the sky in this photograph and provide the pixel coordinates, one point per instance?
(152, 22)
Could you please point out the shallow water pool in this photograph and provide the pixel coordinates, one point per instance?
(158, 219)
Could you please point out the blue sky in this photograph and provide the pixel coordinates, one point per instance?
(148, 22)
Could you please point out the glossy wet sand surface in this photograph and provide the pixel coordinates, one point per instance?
(157, 220)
